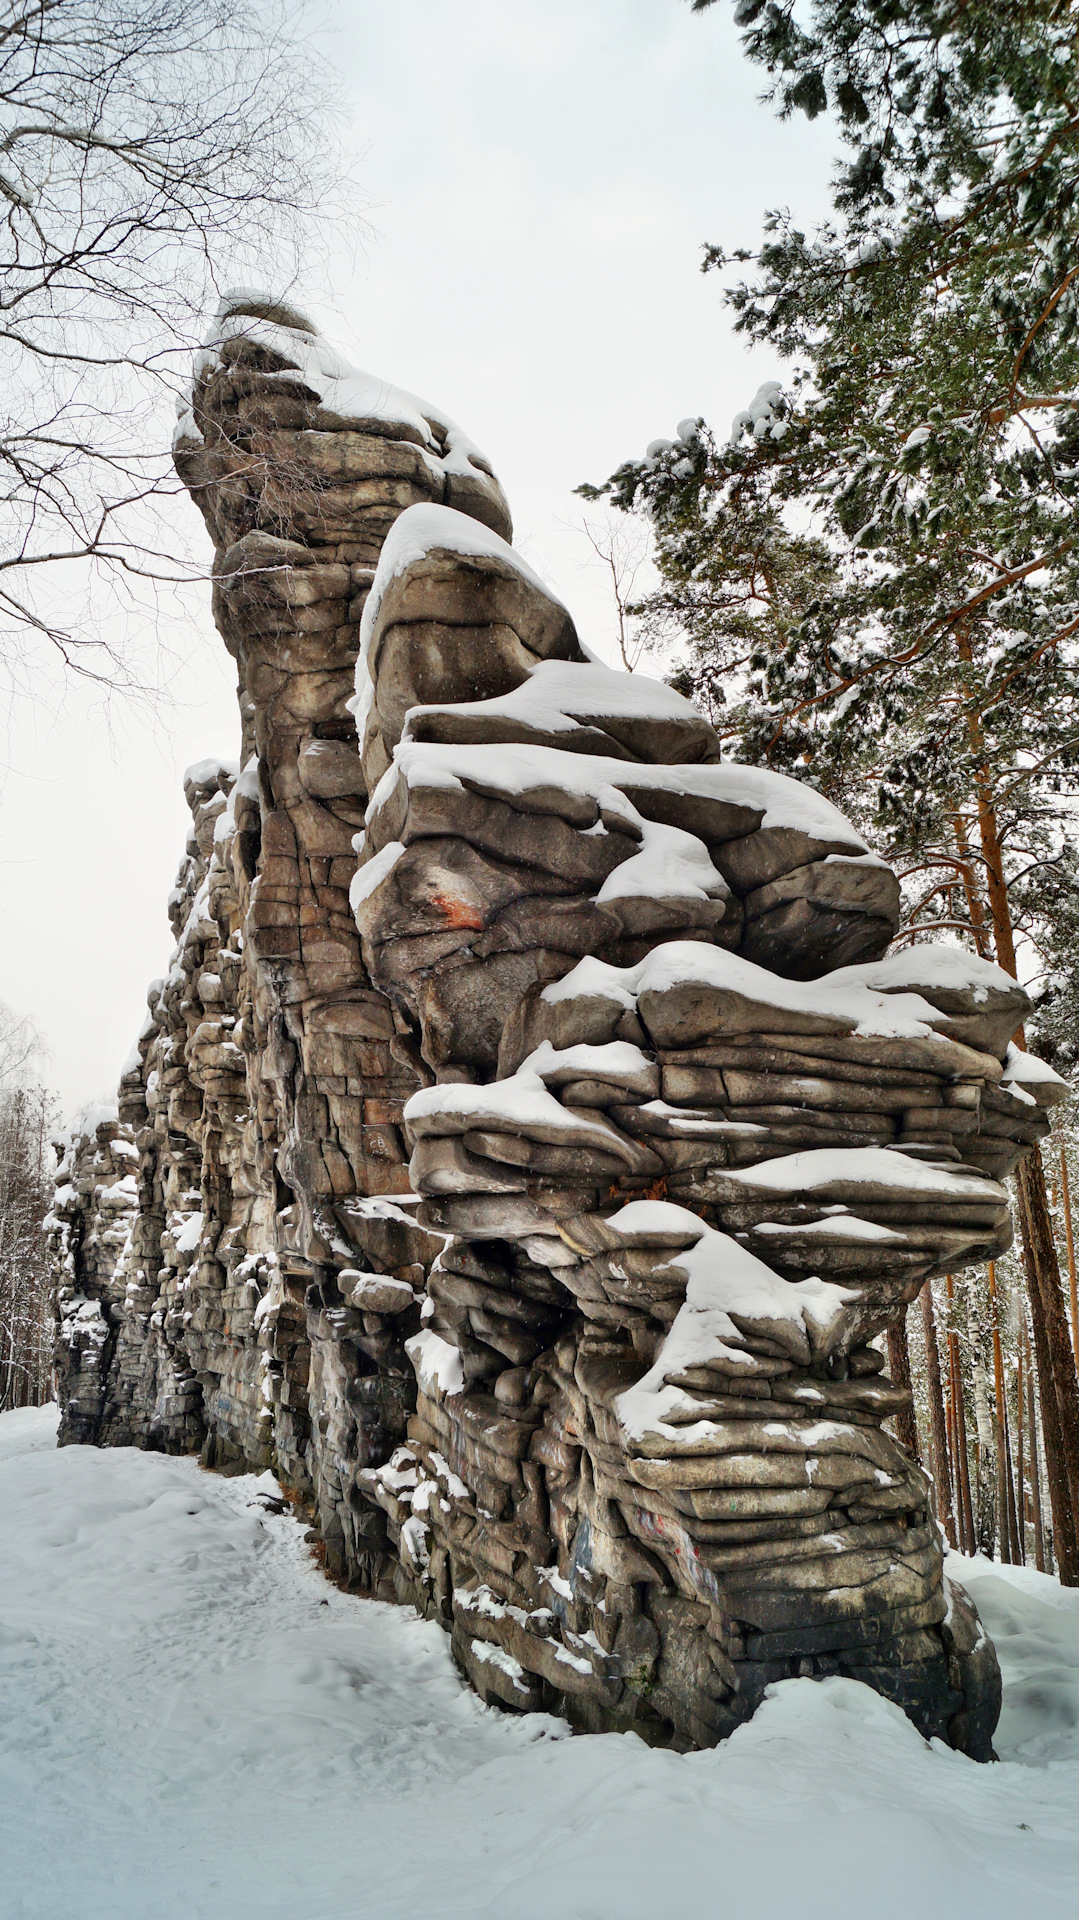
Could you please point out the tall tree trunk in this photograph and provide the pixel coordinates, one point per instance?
(1070, 1240)
(938, 1431)
(996, 885)
(906, 1426)
(1058, 1385)
(985, 1514)
(962, 1457)
(953, 1452)
(999, 1434)
(1014, 1534)
(1043, 1281)
(1035, 1464)
(1064, 1543)
(974, 904)
(1020, 1468)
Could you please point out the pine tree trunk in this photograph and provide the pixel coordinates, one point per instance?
(974, 905)
(966, 1532)
(1057, 1382)
(1070, 1240)
(1064, 1543)
(996, 885)
(1058, 1385)
(953, 1452)
(938, 1431)
(986, 1506)
(1043, 1277)
(964, 1457)
(1035, 1465)
(999, 1434)
(906, 1426)
(1015, 1539)
(1020, 1482)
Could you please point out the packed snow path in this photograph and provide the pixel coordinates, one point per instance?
(194, 1725)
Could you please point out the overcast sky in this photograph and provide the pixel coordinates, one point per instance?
(540, 176)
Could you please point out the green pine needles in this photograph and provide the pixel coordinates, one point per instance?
(876, 576)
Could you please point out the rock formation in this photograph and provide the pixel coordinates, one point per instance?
(532, 1137)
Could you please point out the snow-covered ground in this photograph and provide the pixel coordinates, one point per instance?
(194, 1725)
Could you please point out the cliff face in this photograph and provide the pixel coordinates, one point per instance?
(529, 1139)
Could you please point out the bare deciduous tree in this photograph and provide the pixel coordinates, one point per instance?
(148, 149)
(622, 546)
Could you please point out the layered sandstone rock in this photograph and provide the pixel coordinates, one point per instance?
(532, 1136)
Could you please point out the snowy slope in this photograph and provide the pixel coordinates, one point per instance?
(194, 1725)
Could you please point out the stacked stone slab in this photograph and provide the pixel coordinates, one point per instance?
(571, 813)
(685, 1183)
(717, 1442)
(267, 1093)
(301, 465)
(532, 1136)
(204, 1377)
(179, 1339)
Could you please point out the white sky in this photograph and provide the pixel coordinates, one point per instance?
(540, 178)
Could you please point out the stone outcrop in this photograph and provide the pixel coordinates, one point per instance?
(531, 1137)
(94, 1209)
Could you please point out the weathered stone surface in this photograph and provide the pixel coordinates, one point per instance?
(482, 1166)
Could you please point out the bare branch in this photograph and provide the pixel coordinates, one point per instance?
(147, 155)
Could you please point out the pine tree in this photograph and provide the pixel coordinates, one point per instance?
(878, 572)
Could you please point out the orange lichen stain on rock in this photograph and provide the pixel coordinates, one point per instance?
(457, 911)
